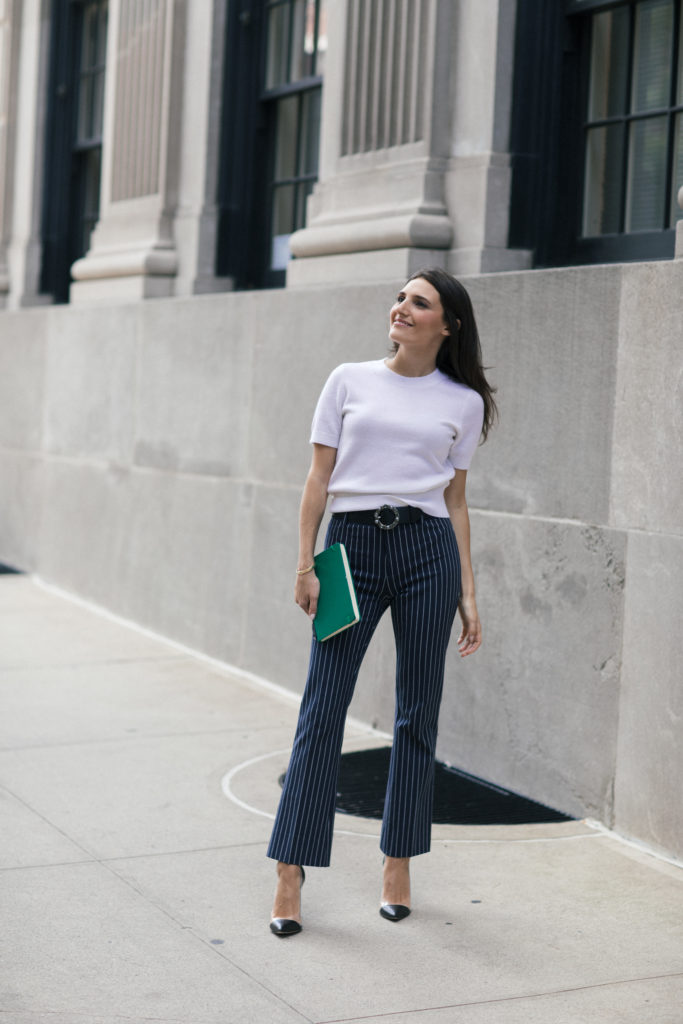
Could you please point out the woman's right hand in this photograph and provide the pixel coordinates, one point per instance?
(313, 502)
(306, 592)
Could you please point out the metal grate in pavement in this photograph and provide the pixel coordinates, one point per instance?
(459, 798)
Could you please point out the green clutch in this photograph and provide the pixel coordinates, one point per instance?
(337, 604)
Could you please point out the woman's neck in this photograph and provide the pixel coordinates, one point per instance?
(413, 364)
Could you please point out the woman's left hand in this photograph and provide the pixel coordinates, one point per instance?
(470, 635)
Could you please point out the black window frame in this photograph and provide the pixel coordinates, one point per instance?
(66, 222)
(548, 131)
(247, 175)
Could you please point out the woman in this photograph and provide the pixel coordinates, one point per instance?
(392, 442)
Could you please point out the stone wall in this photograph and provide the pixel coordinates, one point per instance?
(151, 460)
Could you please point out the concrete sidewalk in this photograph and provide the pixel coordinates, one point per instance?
(136, 786)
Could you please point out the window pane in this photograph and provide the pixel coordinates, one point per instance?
(85, 109)
(287, 111)
(91, 82)
(609, 64)
(321, 47)
(94, 37)
(101, 54)
(310, 132)
(277, 61)
(282, 225)
(303, 39)
(305, 189)
(652, 55)
(98, 104)
(90, 107)
(91, 196)
(677, 177)
(603, 189)
(647, 162)
(89, 40)
(309, 41)
(283, 209)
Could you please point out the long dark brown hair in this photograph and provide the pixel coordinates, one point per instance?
(460, 354)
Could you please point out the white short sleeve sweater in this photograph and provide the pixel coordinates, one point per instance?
(399, 439)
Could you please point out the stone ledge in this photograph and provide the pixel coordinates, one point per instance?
(430, 231)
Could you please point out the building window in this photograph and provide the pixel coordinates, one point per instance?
(633, 142)
(269, 161)
(295, 53)
(74, 138)
(87, 149)
(597, 130)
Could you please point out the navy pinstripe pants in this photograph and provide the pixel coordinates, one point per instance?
(413, 569)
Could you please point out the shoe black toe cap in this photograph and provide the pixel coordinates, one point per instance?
(394, 911)
(283, 926)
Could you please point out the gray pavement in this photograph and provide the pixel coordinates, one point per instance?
(137, 785)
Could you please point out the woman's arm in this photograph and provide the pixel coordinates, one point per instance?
(470, 635)
(313, 502)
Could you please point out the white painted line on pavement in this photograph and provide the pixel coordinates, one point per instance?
(226, 786)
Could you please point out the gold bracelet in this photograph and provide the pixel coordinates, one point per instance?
(302, 572)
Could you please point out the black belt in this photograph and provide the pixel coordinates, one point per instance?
(386, 517)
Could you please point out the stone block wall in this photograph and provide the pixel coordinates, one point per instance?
(151, 460)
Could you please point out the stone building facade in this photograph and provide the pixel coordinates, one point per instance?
(267, 171)
(155, 148)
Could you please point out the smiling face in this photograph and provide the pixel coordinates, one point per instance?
(416, 318)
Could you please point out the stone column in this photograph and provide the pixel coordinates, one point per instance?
(24, 33)
(7, 91)
(415, 165)
(378, 210)
(478, 179)
(679, 228)
(133, 253)
(196, 217)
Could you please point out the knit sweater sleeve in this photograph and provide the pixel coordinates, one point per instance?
(466, 440)
(327, 418)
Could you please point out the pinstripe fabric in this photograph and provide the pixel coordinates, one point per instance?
(415, 570)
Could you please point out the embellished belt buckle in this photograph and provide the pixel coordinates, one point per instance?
(380, 522)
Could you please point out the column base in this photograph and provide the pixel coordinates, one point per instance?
(465, 262)
(678, 252)
(366, 267)
(124, 275)
(212, 285)
(107, 290)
